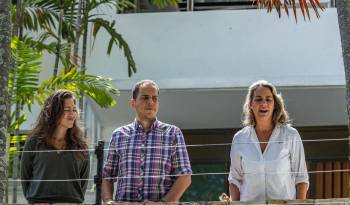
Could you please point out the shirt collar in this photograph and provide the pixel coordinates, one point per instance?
(138, 125)
(275, 132)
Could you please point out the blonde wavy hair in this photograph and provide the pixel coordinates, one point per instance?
(279, 116)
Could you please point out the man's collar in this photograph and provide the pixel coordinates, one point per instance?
(138, 125)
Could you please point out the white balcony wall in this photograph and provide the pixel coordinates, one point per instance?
(204, 62)
(216, 49)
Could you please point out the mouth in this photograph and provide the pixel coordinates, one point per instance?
(263, 111)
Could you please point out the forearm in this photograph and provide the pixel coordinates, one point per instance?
(301, 189)
(234, 193)
(107, 191)
(178, 188)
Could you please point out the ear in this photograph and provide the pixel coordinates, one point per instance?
(132, 103)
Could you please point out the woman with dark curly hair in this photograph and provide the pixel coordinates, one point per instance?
(47, 154)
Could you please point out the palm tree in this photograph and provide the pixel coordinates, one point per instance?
(5, 65)
(343, 8)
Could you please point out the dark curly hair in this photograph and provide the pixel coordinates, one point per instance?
(48, 119)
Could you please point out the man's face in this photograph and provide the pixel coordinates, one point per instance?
(146, 103)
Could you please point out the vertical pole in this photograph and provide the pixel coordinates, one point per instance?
(98, 177)
(190, 5)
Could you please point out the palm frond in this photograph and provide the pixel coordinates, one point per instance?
(116, 39)
(24, 81)
(164, 3)
(98, 88)
(286, 4)
(43, 14)
(17, 123)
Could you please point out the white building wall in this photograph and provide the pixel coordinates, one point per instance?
(204, 62)
(215, 49)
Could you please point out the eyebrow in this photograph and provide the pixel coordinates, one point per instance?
(150, 95)
(259, 96)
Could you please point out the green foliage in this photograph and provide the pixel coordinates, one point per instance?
(116, 39)
(124, 5)
(23, 81)
(13, 150)
(17, 123)
(98, 88)
(164, 3)
(43, 15)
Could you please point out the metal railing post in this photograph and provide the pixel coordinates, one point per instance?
(99, 149)
(190, 5)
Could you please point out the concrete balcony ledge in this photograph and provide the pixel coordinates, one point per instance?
(334, 201)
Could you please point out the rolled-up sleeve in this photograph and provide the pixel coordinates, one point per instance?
(180, 161)
(299, 168)
(110, 169)
(235, 176)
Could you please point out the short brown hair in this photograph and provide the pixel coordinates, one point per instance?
(136, 89)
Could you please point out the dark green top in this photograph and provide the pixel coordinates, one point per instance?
(52, 166)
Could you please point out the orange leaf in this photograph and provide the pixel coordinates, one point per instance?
(314, 7)
(278, 7)
(301, 4)
(319, 5)
(286, 7)
(294, 10)
(307, 9)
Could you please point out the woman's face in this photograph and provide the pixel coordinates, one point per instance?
(69, 114)
(263, 104)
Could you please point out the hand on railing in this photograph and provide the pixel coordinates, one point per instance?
(224, 197)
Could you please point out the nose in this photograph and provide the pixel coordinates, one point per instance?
(263, 102)
(150, 101)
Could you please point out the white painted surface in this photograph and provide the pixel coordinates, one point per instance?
(224, 49)
(204, 62)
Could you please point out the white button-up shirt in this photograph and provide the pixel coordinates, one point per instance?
(272, 174)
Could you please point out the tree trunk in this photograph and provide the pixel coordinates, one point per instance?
(343, 8)
(77, 34)
(59, 37)
(83, 59)
(5, 65)
(15, 167)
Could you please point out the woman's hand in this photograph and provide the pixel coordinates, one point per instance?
(224, 197)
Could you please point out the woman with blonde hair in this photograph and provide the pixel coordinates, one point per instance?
(267, 155)
(50, 172)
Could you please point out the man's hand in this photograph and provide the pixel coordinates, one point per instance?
(109, 202)
(107, 191)
(179, 187)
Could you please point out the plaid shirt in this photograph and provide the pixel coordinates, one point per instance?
(143, 161)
